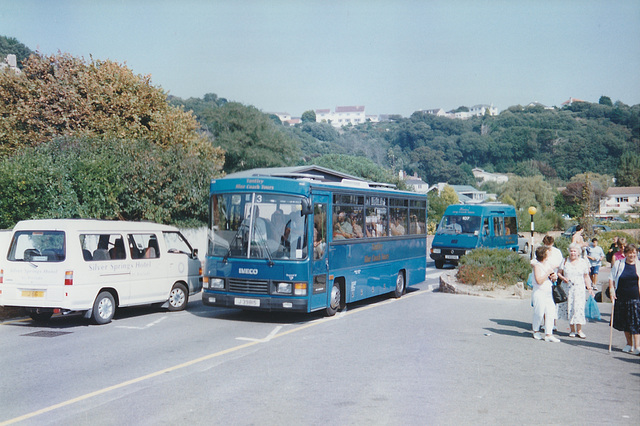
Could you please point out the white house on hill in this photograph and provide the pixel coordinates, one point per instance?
(342, 116)
(620, 199)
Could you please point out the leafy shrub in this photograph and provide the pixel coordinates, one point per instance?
(490, 266)
(107, 179)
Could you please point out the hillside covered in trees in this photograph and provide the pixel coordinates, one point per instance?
(601, 138)
(92, 139)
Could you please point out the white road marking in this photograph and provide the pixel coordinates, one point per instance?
(151, 324)
(266, 339)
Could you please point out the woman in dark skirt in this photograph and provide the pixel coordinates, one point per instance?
(624, 287)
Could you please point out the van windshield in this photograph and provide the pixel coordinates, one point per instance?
(37, 246)
(458, 224)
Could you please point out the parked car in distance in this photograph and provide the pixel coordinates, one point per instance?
(596, 230)
(523, 244)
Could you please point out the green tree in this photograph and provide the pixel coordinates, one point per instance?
(249, 138)
(106, 179)
(605, 100)
(530, 191)
(628, 173)
(308, 116)
(359, 167)
(10, 45)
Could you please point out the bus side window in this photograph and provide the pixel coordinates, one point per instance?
(485, 227)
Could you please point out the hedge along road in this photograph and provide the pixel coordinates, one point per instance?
(425, 358)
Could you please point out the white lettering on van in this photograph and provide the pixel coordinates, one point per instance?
(248, 271)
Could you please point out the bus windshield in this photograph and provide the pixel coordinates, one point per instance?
(458, 224)
(258, 226)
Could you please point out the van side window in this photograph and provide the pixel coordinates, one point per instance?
(97, 247)
(144, 246)
(176, 243)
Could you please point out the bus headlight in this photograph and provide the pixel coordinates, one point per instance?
(435, 250)
(468, 251)
(216, 283)
(283, 288)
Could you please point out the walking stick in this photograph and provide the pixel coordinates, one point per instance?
(613, 305)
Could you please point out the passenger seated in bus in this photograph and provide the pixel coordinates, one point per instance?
(342, 229)
(396, 227)
(318, 244)
(355, 225)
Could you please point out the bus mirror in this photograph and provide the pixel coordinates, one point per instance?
(307, 207)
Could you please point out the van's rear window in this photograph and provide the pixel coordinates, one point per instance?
(38, 246)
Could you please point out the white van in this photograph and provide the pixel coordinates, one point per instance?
(95, 266)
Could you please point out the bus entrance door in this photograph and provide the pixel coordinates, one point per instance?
(319, 264)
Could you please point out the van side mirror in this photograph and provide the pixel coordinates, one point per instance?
(306, 206)
(194, 254)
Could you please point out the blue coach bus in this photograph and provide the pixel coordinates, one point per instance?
(307, 239)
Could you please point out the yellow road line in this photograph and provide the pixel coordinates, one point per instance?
(188, 363)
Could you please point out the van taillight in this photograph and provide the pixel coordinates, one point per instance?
(1, 276)
(68, 278)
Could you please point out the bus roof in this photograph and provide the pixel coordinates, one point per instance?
(316, 176)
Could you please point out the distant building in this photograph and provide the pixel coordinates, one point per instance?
(571, 101)
(414, 182)
(538, 104)
(482, 176)
(466, 194)
(438, 112)
(474, 111)
(620, 199)
(286, 118)
(469, 195)
(342, 116)
(10, 62)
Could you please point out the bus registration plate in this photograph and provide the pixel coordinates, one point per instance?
(450, 256)
(239, 301)
(32, 293)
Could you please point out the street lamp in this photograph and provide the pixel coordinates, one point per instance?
(532, 211)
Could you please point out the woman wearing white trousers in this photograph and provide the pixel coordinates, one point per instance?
(544, 310)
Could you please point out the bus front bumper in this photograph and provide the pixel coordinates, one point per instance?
(262, 303)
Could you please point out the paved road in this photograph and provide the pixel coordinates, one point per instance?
(427, 358)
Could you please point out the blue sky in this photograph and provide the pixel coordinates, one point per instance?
(393, 56)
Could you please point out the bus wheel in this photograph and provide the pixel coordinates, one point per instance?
(399, 285)
(178, 298)
(334, 301)
(439, 264)
(103, 308)
(40, 316)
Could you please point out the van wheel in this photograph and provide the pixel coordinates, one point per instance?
(334, 300)
(178, 297)
(40, 316)
(399, 291)
(439, 264)
(103, 308)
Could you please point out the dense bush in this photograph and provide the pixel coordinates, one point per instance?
(493, 267)
(107, 179)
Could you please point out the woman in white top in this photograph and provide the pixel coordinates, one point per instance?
(543, 307)
(575, 276)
